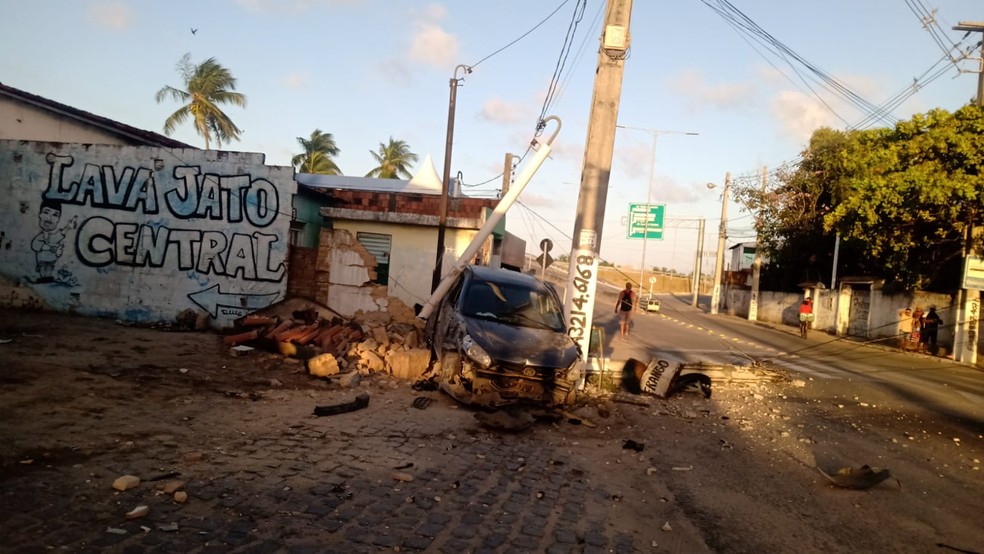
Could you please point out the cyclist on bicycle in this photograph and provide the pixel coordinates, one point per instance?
(806, 316)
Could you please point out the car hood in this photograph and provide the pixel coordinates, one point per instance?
(522, 345)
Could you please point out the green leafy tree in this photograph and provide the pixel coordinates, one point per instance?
(789, 214)
(395, 160)
(207, 86)
(912, 193)
(900, 199)
(319, 151)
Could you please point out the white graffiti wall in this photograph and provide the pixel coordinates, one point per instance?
(142, 233)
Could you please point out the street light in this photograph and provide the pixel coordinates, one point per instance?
(649, 192)
(722, 235)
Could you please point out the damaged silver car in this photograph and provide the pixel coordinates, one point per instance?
(500, 338)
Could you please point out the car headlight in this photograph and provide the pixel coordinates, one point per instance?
(475, 352)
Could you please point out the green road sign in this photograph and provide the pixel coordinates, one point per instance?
(645, 221)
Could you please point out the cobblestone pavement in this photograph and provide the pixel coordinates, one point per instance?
(263, 474)
(84, 401)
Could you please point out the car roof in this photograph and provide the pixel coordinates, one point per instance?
(504, 276)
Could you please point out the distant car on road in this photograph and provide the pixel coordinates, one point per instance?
(501, 338)
(651, 304)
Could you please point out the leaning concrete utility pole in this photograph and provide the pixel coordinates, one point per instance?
(969, 309)
(582, 278)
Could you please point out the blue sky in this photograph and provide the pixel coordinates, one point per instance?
(366, 70)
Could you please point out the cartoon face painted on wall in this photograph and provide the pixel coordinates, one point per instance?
(49, 244)
(49, 215)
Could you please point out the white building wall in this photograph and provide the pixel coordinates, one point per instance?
(411, 270)
(141, 233)
(21, 121)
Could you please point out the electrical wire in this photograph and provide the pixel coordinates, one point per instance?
(524, 35)
(749, 31)
(561, 62)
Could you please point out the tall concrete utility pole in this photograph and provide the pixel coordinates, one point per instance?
(969, 309)
(753, 304)
(976, 27)
(722, 236)
(697, 262)
(582, 278)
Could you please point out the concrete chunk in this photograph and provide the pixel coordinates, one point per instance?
(126, 482)
(409, 365)
(324, 365)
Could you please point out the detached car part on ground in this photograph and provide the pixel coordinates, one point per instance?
(500, 338)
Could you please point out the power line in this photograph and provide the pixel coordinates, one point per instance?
(750, 31)
(524, 35)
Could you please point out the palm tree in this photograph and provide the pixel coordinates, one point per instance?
(318, 153)
(394, 160)
(207, 85)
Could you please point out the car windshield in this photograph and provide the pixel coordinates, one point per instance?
(511, 303)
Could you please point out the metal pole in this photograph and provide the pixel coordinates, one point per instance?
(697, 263)
(649, 199)
(649, 191)
(722, 236)
(446, 180)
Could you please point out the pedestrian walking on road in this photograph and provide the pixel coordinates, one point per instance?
(805, 316)
(624, 306)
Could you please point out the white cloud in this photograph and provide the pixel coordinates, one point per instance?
(113, 14)
(498, 110)
(434, 12)
(429, 45)
(798, 115)
(691, 84)
(297, 80)
(432, 45)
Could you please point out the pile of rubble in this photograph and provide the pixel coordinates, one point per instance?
(332, 346)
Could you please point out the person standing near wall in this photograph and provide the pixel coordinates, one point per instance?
(917, 321)
(930, 328)
(905, 329)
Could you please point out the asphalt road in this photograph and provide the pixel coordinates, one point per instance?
(838, 365)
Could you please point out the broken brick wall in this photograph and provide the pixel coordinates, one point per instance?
(341, 274)
(302, 272)
(410, 203)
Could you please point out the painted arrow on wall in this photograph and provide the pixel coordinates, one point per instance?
(212, 298)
